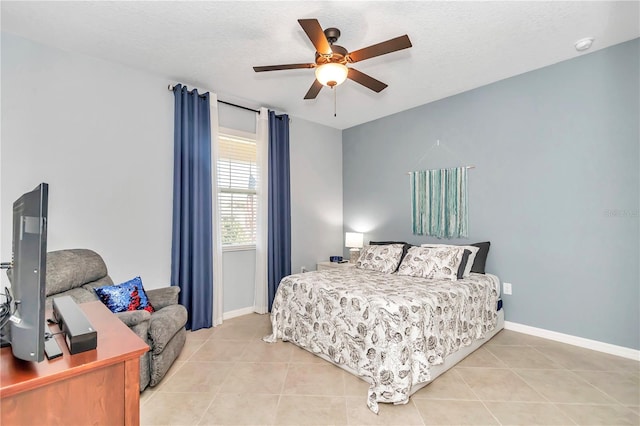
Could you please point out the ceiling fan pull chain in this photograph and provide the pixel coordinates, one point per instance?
(335, 95)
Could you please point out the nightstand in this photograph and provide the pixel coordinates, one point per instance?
(323, 266)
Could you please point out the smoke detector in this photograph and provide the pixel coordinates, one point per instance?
(584, 44)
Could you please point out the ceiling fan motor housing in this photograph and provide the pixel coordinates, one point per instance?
(332, 34)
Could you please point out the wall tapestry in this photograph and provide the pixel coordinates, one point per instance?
(439, 203)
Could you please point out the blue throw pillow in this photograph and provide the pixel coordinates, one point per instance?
(128, 296)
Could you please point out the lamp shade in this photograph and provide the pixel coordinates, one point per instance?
(353, 240)
(331, 74)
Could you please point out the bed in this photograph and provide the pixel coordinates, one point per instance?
(395, 330)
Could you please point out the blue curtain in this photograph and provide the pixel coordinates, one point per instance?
(192, 246)
(279, 209)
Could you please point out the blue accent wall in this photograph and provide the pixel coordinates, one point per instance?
(555, 187)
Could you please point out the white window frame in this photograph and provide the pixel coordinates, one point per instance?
(225, 131)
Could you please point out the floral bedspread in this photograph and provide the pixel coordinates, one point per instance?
(389, 329)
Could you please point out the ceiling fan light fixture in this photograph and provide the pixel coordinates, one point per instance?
(331, 74)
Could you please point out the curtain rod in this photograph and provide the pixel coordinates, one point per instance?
(239, 106)
(466, 167)
(226, 103)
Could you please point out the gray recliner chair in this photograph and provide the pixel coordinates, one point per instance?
(77, 272)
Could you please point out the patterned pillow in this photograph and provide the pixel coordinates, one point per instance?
(380, 258)
(435, 263)
(128, 296)
(472, 256)
(405, 247)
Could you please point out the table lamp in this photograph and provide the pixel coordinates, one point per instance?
(353, 240)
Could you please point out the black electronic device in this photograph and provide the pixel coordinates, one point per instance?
(51, 348)
(78, 331)
(23, 325)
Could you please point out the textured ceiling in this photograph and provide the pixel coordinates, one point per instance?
(457, 46)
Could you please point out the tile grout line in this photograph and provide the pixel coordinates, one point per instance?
(418, 410)
(585, 381)
(562, 367)
(196, 350)
(618, 402)
(275, 414)
(512, 370)
(540, 393)
(476, 395)
(346, 408)
(598, 389)
(344, 394)
(153, 393)
(284, 382)
(209, 405)
(245, 348)
(488, 349)
(552, 361)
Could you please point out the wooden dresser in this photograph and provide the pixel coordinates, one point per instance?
(98, 387)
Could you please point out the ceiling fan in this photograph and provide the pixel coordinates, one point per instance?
(331, 60)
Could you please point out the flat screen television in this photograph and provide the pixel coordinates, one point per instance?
(27, 274)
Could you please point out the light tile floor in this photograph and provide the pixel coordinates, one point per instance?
(228, 375)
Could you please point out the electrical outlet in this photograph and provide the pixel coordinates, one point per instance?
(506, 288)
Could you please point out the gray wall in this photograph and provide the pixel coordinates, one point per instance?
(238, 276)
(555, 188)
(316, 193)
(101, 135)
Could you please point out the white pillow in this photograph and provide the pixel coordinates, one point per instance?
(435, 263)
(472, 256)
(380, 258)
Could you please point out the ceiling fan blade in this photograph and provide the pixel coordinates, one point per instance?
(316, 35)
(313, 90)
(282, 67)
(383, 48)
(366, 81)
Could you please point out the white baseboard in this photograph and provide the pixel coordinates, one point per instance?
(237, 313)
(526, 329)
(574, 340)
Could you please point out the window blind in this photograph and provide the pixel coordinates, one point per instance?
(237, 183)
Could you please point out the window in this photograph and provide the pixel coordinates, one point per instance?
(237, 180)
